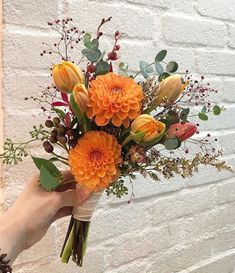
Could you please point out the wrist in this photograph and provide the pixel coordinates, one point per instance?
(11, 237)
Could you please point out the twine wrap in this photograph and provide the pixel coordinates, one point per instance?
(85, 211)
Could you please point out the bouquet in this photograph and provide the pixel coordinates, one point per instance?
(107, 123)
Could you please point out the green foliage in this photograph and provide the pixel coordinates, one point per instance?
(172, 67)
(184, 114)
(92, 54)
(39, 133)
(102, 68)
(117, 188)
(50, 176)
(217, 110)
(145, 68)
(172, 143)
(160, 56)
(203, 116)
(159, 68)
(122, 69)
(59, 112)
(163, 76)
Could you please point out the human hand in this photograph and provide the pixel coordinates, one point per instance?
(28, 220)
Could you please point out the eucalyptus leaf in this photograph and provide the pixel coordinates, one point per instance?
(145, 68)
(172, 67)
(216, 110)
(159, 68)
(203, 116)
(172, 143)
(184, 114)
(102, 68)
(203, 109)
(48, 181)
(92, 55)
(160, 56)
(163, 76)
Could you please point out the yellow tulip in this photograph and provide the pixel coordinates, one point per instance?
(170, 89)
(81, 96)
(66, 75)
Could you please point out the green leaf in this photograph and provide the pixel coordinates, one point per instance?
(102, 68)
(159, 68)
(203, 109)
(160, 56)
(172, 67)
(60, 112)
(92, 54)
(163, 76)
(48, 180)
(87, 37)
(75, 108)
(203, 116)
(145, 69)
(39, 162)
(216, 110)
(121, 65)
(172, 143)
(184, 114)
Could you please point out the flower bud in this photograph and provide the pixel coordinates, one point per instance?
(182, 131)
(66, 75)
(81, 96)
(170, 89)
(145, 129)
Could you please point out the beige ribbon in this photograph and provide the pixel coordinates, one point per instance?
(85, 211)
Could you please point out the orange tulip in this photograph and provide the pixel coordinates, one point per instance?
(81, 96)
(170, 89)
(146, 130)
(66, 75)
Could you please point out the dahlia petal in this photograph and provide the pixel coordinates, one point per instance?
(116, 121)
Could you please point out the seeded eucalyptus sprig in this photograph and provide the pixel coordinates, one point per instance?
(14, 152)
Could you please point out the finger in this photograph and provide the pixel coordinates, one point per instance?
(67, 175)
(66, 211)
(67, 186)
(65, 199)
(81, 195)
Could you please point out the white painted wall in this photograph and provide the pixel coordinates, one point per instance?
(175, 226)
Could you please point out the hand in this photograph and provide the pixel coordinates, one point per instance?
(28, 220)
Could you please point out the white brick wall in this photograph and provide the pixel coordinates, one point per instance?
(175, 226)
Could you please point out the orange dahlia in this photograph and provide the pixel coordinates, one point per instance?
(94, 160)
(114, 98)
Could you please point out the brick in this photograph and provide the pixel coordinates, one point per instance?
(213, 62)
(222, 10)
(232, 36)
(187, 30)
(22, 86)
(225, 139)
(217, 265)
(25, 12)
(226, 192)
(133, 21)
(22, 50)
(229, 90)
(155, 241)
(148, 3)
(181, 6)
(187, 202)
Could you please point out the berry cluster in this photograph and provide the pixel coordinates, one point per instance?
(60, 135)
